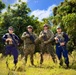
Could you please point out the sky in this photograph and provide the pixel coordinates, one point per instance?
(40, 8)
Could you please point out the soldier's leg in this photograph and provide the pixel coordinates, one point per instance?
(26, 55)
(50, 49)
(8, 50)
(7, 59)
(65, 54)
(41, 53)
(41, 57)
(59, 55)
(15, 54)
(31, 59)
(7, 53)
(32, 49)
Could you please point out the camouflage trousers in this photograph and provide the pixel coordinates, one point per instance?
(47, 48)
(29, 50)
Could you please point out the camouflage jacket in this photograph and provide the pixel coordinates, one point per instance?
(46, 36)
(28, 39)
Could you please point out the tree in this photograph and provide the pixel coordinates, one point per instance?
(2, 5)
(69, 22)
(17, 15)
(65, 14)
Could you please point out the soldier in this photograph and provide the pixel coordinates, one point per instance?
(46, 36)
(11, 42)
(61, 41)
(29, 39)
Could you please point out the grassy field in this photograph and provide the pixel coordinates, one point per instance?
(47, 68)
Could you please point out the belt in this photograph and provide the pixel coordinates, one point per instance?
(10, 45)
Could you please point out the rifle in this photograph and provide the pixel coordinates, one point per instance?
(60, 41)
(14, 41)
(31, 37)
(44, 37)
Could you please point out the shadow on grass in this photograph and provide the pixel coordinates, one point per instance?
(42, 66)
(54, 66)
(73, 66)
(11, 73)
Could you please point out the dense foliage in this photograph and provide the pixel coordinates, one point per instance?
(65, 15)
(17, 15)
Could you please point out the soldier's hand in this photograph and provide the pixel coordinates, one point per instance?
(62, 44)
(9, 39)
(18, 44)
(56, 38)
(27, 35)
(42, 35)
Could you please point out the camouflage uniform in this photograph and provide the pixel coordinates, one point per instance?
(46, 45)
(29, 45)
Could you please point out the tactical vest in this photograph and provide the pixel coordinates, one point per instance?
(60, 37)
(29, 40)
(10, 42)
(45, 36)
(32, 37)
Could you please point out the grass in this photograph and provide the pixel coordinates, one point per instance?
(47, 68)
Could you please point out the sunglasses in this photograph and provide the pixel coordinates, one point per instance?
(11, 29)
(45, 26)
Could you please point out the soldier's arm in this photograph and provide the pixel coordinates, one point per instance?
(56, 38)
(66, 38)
(52, 36)
(36, 38)
(4, 37)
(17, 38)
(24, 35)
(41, 35)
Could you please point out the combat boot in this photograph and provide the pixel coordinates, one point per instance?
(41, 60)
(61, 62)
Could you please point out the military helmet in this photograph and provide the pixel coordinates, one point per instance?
(10, 28)
(58, 27)
(29, 26)
(45, 25)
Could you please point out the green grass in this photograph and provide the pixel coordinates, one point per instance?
(47, 68)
